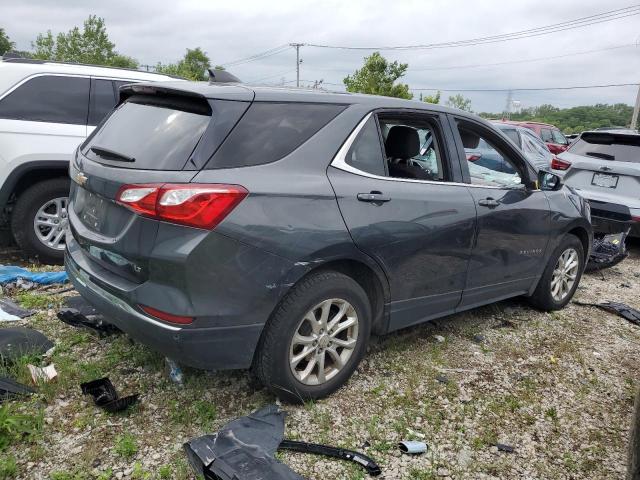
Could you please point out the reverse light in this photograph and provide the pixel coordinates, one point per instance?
(558, 164)
(167, 317)
(193, 204)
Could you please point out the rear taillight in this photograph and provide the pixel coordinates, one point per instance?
(194, 204)
(635, 219)
(558, 164)
(472, 157)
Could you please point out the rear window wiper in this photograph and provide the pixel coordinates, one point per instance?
(604, 156)
(111, 154)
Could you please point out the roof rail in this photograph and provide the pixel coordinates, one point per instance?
(39, 62)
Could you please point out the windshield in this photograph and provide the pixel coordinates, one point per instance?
(621, 148)
(143, 135)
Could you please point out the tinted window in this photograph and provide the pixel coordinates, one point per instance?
(608, 147)
(102, 100)
(271, 131)
(157, 136)
(487, 165)
(366, 152)
(49, 99)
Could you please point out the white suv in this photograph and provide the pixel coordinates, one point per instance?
(46, 110)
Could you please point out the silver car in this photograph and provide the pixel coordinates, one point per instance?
(605, 169)
(531, 145)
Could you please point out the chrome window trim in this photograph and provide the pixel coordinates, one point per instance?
(339, 162)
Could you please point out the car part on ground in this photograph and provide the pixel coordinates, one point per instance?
(93, 323)
(244, 449)
(18, 342)
(106, 397)
(10, 389)
(9, 311)
(42, 374)
(412, 447)
(621, 309)
(10, 273)
(229, 226)
(607, 251)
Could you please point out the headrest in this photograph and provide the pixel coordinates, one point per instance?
(402, 142)
(469, 139)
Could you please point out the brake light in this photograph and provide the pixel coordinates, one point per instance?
(193, 204)
(167, 317)
(472, 157)
(558, 164)
(635, 219)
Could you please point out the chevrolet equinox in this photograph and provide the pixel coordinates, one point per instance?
(229, 226)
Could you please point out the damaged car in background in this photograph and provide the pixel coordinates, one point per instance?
(229, 226)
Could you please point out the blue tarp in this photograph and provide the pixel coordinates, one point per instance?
(10, 273)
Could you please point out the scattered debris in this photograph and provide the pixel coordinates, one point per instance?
(10, 273)
(247, 446)
(10, 389)
(174, 371)
(607, 251)
(106, 397)
(9, 311)
(504, 448)
(412, 447)
(439, 338)
(479, 338)
(621, 309)
(93, 322)
(42, 374)
(17, 342)
(442, 378)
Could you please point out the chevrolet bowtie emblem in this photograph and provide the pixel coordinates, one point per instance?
(81, 178)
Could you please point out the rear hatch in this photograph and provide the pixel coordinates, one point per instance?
(157, 136)
(605, 167)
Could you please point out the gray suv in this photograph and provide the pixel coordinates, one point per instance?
(227, 226)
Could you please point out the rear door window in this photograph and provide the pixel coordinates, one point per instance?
(270, 131)
(559, 138)
(102, 101)
(149, 134)
(621, 148)
(49, 98)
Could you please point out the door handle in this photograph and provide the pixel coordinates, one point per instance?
(489, 202)
(373, 197)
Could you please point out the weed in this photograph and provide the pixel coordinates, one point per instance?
(165, 472)
(8, 468)
(15, 426)
(126, 445)
(139, 473)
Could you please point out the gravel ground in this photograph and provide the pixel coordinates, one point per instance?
(556, 387)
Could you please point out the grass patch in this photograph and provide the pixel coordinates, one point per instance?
(126, 445)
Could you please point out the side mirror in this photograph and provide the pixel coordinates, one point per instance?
(549, 181)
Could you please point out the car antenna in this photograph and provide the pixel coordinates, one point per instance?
(222, 76)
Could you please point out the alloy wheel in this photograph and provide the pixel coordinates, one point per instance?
(50, 223)
(564, 274)
(324, 341)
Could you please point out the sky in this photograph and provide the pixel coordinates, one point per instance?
(155, 31)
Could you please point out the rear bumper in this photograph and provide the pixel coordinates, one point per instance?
(209, 348)
(609, 217)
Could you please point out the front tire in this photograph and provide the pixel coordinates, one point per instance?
(561, 275)
(315, 339)
(39, 220)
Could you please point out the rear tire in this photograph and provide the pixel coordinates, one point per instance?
(24, 214)
(303, 308)
(546, 297)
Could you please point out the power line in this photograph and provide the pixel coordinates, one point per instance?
(271, 76)
(257, 56)
(535, 89)
(532, 32)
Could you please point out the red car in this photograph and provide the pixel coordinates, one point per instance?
(551, 135)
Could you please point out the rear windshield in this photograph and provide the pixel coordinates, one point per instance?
(271, 131)
(608, 147)
(149, 134)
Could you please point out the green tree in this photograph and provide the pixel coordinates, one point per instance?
(6, 45)
(431, 98)
(459, 101)
(89, 45)
(194, 66)
(377, 77)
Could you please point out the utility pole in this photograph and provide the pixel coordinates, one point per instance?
(298, 61)
(507, 107)
(634, 117)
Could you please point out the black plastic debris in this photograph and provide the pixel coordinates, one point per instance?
(505, 448)
(105, 395)
(607, 251)
(9, 308)
(17, 342)
(92, 322)
(10, 389)
(244, 450)
(622, 309)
